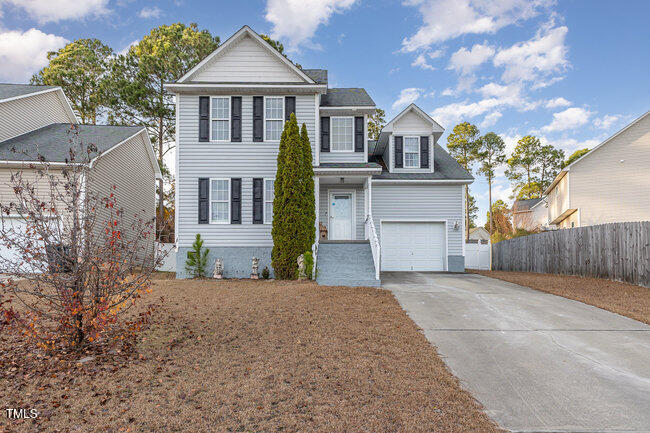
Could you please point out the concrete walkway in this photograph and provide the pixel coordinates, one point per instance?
(537, 362)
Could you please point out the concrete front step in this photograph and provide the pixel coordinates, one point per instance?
(342, 263)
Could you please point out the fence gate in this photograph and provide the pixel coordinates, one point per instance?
(477, 255)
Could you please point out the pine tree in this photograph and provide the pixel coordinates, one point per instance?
(197, 259)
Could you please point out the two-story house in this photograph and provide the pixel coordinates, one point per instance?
(608, 184)
(38, 122)
(394, 204)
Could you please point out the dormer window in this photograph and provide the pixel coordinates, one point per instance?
(220, 118)
(342, 134)
(411, 152)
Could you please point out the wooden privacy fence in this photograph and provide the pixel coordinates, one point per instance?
(618, 251)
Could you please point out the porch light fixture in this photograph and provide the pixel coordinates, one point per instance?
(456, 226)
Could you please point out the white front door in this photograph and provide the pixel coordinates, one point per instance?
(340, 216)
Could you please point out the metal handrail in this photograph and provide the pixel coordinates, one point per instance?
(374, 243)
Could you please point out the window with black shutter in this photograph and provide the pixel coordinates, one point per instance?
(324, 134)
(258, 118)
(424, 152)
(358, 134)
(235, 201)
(204, 118)
(399, 151)
(204, 196)
(258, 201)
(235, 119)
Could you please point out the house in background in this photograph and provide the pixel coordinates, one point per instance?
(37, 120)
(611, 183)
(479, 234)
(529, 214)
(391, 204)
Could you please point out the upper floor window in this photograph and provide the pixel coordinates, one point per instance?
(220, 201)
(269, 195)
(411, 152)
(274, 117)
(220, 118)
(342, 132)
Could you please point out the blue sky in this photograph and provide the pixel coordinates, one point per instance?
(571, 72)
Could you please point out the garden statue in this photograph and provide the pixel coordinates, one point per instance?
(256, 263)
(301, 267)
(218, 269)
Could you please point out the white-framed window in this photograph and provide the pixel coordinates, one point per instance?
(411, 152)
(342, 134)
(273, 117)
(220, 201)
(269, 195)
(220, 118)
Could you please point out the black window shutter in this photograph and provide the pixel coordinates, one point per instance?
(235, 118)
(424, 152)
(204, 118)
(258, 203)
(324, 134)
(235, 201)
(204, 205)
(258, 118)
(289, 106)
(399, 159)
(358, 134)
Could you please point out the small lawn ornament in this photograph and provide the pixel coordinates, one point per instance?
(218, 269)
(301, 267)
(256, 265)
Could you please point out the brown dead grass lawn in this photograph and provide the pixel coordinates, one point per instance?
(621, 298)
(242, 356)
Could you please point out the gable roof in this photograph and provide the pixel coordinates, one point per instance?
(52, 142)
(318, 75)
(414, 108)
(525, 205)
(244, 31)
(346, 97)
(11, 91)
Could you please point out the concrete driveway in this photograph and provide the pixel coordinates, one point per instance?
(537, 362)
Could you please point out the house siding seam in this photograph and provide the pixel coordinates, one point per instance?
(23, 115)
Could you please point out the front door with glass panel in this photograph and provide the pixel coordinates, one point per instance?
(340, 216)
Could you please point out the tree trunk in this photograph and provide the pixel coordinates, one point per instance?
(490, 198)
(466, 213)
(161, 185)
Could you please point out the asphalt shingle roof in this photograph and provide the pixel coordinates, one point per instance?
(53, 141)
(521, 205)
(318, 75)
(349, 165)
(12, 90)
(444, 168)
(348, 97)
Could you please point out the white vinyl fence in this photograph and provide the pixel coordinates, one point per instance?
(477, 256)
(169, 264)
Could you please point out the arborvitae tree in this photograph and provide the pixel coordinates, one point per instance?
(293, 206)
(309, 194)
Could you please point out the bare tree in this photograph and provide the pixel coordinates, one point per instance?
(77, 261)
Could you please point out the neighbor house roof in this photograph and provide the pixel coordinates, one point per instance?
(444, 168)
(52, 141)
(525, 205)
(318, 75)
(8, 91)
(346, 97)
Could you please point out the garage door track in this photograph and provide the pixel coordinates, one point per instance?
(537, 362)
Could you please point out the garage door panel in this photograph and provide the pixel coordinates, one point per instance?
(413, 246)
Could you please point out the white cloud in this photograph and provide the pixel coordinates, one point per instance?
(538, 57)
(421, 62)
(126, 49)
(606, 121)
(464, 61)
(150, 12)
(557, 103)
(450, 114)
(406, 97)
(24, 53)
(448, 19)
(490, 119)
(570, 118)
(296, 21)
(448, 92)
(45, 11)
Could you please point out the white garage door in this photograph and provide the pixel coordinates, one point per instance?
(412, 246)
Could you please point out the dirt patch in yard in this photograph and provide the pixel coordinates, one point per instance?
(240, 356)
(621, 298)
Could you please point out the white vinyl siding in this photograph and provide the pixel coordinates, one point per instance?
(273, 117)
(269, 195)
(245, 160)
(220, 118)
(342, 134)
(411, 152)
(220, 201)
(421, 202)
